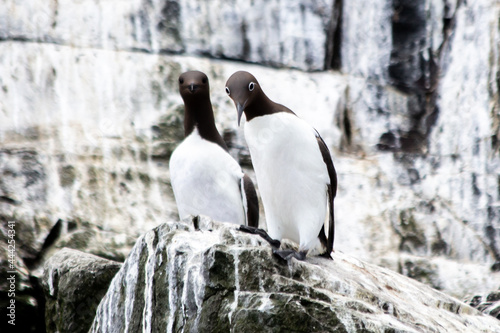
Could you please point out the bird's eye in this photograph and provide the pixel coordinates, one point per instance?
(204, 80)
(181, 80)
(251, 86)
(228, 92)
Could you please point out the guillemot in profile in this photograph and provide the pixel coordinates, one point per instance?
(294, 170)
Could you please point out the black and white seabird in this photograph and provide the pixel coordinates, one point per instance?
(206, 180)
(295, 173)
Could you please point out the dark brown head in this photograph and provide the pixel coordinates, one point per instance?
(247, 95)
(198, 112)
(193, 85)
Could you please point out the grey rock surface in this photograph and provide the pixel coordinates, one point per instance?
(276, 33)
(21, 294)
(488, 303)
(74, 282)
(218, 279)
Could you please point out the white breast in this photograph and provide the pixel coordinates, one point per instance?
(291, 176)
(205, 180)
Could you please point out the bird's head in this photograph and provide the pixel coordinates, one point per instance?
(243, 88)
(193, 83)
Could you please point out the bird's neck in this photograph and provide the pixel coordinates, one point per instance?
(201, 116)
(261, 106)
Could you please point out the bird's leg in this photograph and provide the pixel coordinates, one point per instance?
(286, 255)
(326, 255)
(262, 233)
(196, 222)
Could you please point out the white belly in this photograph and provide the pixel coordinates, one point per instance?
(291, 176)
(205, 180)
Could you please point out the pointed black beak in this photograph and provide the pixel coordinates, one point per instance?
(240, 109)
(192, 88)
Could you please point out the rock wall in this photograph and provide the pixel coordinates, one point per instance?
(276, 33)
(405, 94)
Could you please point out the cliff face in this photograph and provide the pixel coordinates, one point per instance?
(406, 95)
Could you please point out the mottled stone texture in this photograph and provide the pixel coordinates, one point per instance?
(218, 279)
(74, 283)
(275, 33)
(18, 284)
(405, 94)
(488, 303)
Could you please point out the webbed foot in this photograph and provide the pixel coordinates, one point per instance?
(326, 255)
(262, 233)
(286, 255)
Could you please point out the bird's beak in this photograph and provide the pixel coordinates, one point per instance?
(240, 109)
(192, 87)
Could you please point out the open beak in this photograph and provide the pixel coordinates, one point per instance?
(240, 109)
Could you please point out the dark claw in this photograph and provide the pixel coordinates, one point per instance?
(245, 228)
(326, 256)
(262, 233)
(286, 255)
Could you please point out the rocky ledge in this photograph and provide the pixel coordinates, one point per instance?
(488, 303)
(211, 277)
(74, 282)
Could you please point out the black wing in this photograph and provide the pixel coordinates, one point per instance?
(332, 192)
(252, 202)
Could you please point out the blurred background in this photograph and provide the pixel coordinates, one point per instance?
(405, 93)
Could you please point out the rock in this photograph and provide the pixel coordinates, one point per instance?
(23, 189)
(25, 262)
(90, 113)
(488, 304)
(276, 33)
(18, 285)
(90, 238)
(219, 279)
(74, 283)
